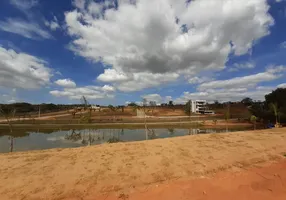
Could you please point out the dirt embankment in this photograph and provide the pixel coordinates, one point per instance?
(151, 169)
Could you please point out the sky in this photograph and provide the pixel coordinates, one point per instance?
(120, 51)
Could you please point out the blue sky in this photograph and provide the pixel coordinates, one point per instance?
(118, 51)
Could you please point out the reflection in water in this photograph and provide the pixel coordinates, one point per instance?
(11, 138)
(171, 131)
(151, 134)
(113, 140)
(65, 138)
(73, 136)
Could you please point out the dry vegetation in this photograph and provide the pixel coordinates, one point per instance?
(126, 167)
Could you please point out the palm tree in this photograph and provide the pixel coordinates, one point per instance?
(227, 115)
(253, 119)
(8, 115)
(274, 108)
(145, 121)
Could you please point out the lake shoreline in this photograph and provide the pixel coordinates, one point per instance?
(112, 169)
(136, 124)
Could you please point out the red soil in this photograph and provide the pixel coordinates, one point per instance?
(265, 183)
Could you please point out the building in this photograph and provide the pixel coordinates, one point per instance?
(199, 106)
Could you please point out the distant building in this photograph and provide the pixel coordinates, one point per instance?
(199, 106)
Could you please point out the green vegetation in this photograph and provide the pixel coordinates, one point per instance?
(188, 108)
(273, 109)
(253, 120)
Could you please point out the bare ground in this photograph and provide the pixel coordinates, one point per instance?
(132, 170)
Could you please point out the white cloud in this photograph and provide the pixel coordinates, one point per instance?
(152, 40)
(130, 82)
(24, 4)
(90, 92)
(199, 80)
(239, 66)
(237, 88)
(24, 28)
(153, 97)
(53, 25)
(283, 85)
(168, 98)
(224, 95)
(65, 83)
(144, 80)
(283, 45)
(111, 75)
(272, 73)
(21, 70)
(108, 88)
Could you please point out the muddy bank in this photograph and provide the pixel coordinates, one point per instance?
(85, 173)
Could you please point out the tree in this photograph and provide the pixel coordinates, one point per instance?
(171, 103)
(227, 112)
(253, 119)
(145, 121)
(247, 101)
(188, 108)
(278, 96)
(227, 115)
(9, 114)
(132, 104)
(144, 101)
(274, 108)
(112, 108)
(87, 117)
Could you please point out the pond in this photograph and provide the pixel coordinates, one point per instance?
(36, 139)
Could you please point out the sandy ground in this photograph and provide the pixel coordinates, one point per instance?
(214, 166)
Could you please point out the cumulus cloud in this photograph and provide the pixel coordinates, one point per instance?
(153, 97)
(24, 28)
(90, 92)
(270, 74)
(283, 85)
(65, 83)
(236, 88)
(224, 95)
(108, 88)
(144, 80)
(21, 70)
(165, 36)
(111, 75)
(53, 24)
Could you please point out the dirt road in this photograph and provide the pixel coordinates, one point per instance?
(214, 166)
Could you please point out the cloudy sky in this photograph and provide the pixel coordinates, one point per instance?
(118, 51)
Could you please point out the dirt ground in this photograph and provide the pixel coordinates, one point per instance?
(266, 183)
(240, 165)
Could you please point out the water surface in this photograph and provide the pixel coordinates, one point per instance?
(36, 139)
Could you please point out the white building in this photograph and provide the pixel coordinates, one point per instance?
(199, 106)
